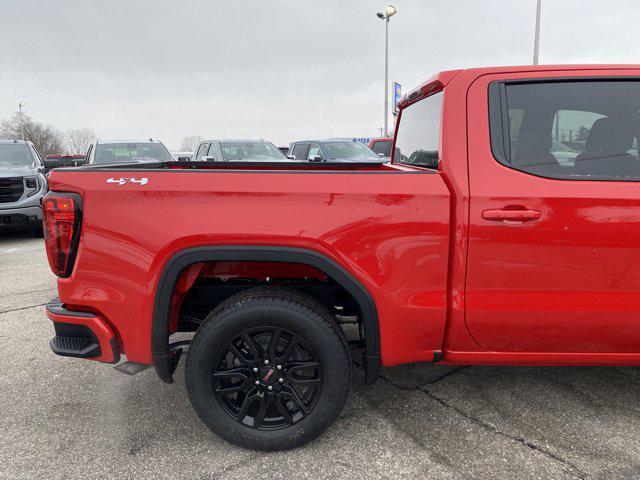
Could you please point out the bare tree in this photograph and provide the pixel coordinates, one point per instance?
(79, 139)
(46, 138)
(189, 143)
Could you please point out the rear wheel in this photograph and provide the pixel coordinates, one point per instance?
(268, 369)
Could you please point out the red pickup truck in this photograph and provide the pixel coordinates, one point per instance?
(504, 231)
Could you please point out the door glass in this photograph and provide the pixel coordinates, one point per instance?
(314, 151)
(568, 130)
(299, 151)
(569, 134)
(202, 152)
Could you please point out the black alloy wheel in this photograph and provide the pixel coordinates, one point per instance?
(267, 378)
(268, 369)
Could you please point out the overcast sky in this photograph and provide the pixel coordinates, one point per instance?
(273, 69)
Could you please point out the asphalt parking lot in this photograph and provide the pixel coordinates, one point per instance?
(66, 418)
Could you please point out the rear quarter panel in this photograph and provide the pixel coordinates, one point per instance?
(389, 229)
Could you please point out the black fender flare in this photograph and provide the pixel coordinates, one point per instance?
(165, 360)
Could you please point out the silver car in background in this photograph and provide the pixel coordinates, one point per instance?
(127, 151)
(237, 151)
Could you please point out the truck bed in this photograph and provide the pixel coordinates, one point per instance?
(386, 225)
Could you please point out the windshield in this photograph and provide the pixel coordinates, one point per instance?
(15, 154)
(349, 150)
(131, 152)
(251, 151)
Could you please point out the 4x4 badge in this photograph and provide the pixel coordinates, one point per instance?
(122, 180)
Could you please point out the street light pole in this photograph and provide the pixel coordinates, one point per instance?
(389, 12)
(20, 105)
(386, 76)
(536, 42)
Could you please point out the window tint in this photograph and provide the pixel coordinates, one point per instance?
(383, 147)
(418, 138)
(300, 151)
(314, 151)
(211, 152)
(583, 130)
(202, 152)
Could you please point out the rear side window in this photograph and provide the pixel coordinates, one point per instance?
(581, 130)
(418, 139)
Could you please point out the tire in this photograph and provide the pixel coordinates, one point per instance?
(300, 391)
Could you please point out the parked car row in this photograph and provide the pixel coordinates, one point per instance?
(23, 171)
(330, 150)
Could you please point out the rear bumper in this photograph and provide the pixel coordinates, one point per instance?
(20, 217)
(81, 334)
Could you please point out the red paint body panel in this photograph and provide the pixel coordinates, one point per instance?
(561, 289)
(390, 230)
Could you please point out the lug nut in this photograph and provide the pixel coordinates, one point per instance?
(269, 387)
(255, 369)
(257, 382)
(279, 367)
(281, 379)
(266, 362)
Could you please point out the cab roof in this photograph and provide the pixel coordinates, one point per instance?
(441, 79)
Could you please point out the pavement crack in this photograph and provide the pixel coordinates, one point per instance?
(574, 469)
(139, 445)
(22, 308)
(445, 375)
(411, 389)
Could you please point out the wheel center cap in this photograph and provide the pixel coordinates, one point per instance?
(268, 376)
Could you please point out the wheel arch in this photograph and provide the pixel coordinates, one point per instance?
(165, 361)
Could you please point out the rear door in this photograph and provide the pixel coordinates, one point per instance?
(554, 247)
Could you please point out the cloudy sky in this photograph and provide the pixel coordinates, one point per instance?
(274, 69)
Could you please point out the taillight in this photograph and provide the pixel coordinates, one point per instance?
(62, 218)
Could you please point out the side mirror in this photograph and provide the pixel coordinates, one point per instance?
(184, 159)
(50, 163)
(208, 159)
(317, 159)
(291, 157)
(381, 154)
